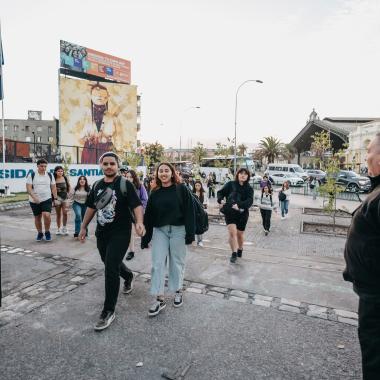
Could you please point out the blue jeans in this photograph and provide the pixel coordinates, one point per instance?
(168, 245)
(284, 207)
(79, 210)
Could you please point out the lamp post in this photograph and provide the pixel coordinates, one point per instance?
(34, 145)
(236, 104)
(180, 132)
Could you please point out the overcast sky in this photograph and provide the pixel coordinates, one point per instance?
(318, 53)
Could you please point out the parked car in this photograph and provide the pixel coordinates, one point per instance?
(294, 169)
(352, 181)
(255, 179)
(320, 175)
(280, 178)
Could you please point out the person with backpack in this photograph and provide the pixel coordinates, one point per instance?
(41, 188)
(117, 205)
(314, 185)
(62, 203)
(170, 224)
(284, 198)
(79, 197)
(199, 192)
(266, 207)
(236, 197)
(131, 176)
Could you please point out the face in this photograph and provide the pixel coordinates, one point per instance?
(42, 167)
(99, 96)
(82, 181)
(198, 186)
(59, 172)
(373, 157)
(165, 174)
(128, 176)
(109, 166)
(124, 173)
(242, 176)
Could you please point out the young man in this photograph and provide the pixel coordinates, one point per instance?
(40, 187)
(113, 232)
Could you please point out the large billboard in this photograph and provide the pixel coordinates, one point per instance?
(89, 61)
(96, 116)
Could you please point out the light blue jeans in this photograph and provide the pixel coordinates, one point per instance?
(284, 207)
(79, 210)
(168, 247)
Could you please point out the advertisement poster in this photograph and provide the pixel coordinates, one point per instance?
(97, 117)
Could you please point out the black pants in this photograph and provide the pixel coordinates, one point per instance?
(369, 337)
(211, 192)
(112, 248)
(266, 215)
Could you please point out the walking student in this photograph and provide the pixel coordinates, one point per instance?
(170, 224)
(40, 186)
(236, 197)
(131, 176)
(79, 197)
(62, 203)
(284, 198)
(266, 207)
(199, 191)
(112, 198)
(211, 185)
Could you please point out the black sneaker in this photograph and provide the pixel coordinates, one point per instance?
(239, 253)
(266, 232)
(47, 236)
(40, 236)
(233, 257)
(130, 256)
(105, 319)
(128, 285)
(178, 299)
(156, 307)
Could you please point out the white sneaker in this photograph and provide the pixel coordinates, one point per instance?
(64, 231)
(59, 232)
(200, 244)
(283, 217)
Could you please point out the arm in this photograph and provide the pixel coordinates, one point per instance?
(29, 190)
(249, 201)
(54, 190)
(139, 216)
(223, 193)
(144, 196)
(189, 215)
(90, 212)
(148, 222)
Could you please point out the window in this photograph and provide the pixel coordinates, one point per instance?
(27, 128)
(15, 128)
(5, 127)
(39, 129)
(50, 130)
(285, 169)
(38, 138)
(27, 138)
(51, 139)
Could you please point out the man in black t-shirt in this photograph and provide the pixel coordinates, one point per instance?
(114, 209)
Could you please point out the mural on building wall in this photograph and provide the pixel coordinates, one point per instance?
(98, 117)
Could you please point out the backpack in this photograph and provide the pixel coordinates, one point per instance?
(33, 174)
(282, 196)
(201, 217)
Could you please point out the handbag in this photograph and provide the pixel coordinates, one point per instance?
(282, 196)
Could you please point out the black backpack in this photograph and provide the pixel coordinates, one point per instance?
(201, 217)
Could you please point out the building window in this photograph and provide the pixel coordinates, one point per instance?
(15, 128)
(27, 138)
(5, 127)
(27, 128)
(39, 129)
(51, 139)
(38, 138)
(50, 130)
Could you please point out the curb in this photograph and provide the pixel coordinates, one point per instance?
(13, 205)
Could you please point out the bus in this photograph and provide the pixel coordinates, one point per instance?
(224, 166)
(185, 167)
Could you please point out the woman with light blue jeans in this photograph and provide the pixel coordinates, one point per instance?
(170, 224)
(79, 196)
(284, 204)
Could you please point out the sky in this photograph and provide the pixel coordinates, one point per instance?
(322, 54)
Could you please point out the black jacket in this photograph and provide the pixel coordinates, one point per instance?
(235, 193)
(362, 251)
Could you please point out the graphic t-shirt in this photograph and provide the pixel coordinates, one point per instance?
(41, 186)
(115, 216)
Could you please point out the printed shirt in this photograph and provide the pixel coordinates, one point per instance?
(41, 186)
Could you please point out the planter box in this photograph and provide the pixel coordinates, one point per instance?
(325, 229)
(322, 212)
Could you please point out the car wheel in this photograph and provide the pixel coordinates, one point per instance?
(353, 188)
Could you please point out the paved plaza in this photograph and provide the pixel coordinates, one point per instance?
(282, 312)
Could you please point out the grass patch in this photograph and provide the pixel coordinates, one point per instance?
(17, 198)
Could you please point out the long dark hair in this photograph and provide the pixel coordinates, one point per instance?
(241, 170)
(135, 179)
(86, 186)
(64, 176)
(175, 178)
(202, 191)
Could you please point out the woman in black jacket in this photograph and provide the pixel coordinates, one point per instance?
(238, 195)
(170, 223)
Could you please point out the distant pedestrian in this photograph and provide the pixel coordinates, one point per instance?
(265, 182)
(362, 255)
(266, 207)
(236, 197)
(284, 198)
(62, 203)
(41, 187)
(170, 224)
(199, 191)
(111, 198)
(79, 197)
(314, 185)
(131, 176)
(211, 182)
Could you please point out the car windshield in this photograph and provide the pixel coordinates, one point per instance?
(298, 169)
(352, 174)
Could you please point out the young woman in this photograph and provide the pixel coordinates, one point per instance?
(211, 185)
(266, 207)
(284, 199)
(131, 176)
(238, 195)
(199, 191)
(169, 218)
(79, 197)
(62, 203)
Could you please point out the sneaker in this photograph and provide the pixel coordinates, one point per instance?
(266, 233)
(233, 257)
(47, 236)
(128, 285)
(283, 217)
(156, 307)
(239, 253)
(178, 299)
(40, 236)
(200, 244)
(59, 232)
(76, 236)
(64, 231)
(130, 256)
(105, 319)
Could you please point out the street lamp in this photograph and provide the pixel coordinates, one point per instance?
(34, 144)
(180, 132)
(236, 103)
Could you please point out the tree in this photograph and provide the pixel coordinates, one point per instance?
(242, 149)
(132, 159)
(319, 147)
(199, 152)
(271, 148)
(153, 153)
(288, 152)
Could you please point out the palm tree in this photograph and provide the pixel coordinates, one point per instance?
(242, 149)
(271, 148)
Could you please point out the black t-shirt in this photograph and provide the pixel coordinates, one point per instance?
(115, 216)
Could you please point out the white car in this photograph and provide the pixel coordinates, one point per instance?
(280, 178)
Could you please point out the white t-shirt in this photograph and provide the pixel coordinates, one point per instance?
(41, 186)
